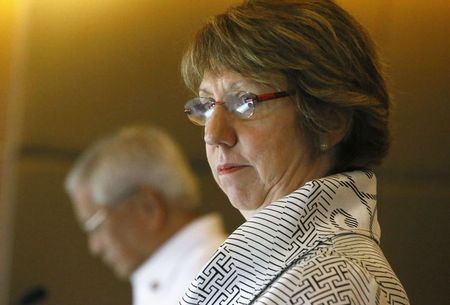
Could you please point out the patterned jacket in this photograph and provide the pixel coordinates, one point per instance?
(318, 245)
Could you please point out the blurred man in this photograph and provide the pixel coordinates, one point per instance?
(137, 199)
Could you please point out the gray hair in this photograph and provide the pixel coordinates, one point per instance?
(115, 166)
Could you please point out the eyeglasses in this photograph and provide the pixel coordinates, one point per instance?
(94, 222)
(199, 109)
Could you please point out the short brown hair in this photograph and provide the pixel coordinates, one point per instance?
(324, 54)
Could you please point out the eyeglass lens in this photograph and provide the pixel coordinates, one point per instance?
(201, 108)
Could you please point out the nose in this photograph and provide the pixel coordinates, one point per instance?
(219, 128)
(94, 244)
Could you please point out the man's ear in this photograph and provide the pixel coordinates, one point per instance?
(153, 207)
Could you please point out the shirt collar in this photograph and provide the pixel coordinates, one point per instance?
(160, 264)
(287, 230)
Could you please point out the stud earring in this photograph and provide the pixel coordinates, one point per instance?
(323, 146)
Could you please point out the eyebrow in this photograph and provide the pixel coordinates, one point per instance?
(203, 92)
(233, 86)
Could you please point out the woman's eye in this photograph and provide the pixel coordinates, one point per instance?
(206, 100)
(242, 94)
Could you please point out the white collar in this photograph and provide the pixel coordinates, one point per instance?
(162, 266)
(285, 231)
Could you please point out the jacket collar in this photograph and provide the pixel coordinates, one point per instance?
(284, 231)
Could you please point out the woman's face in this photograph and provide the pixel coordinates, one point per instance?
(258, 160)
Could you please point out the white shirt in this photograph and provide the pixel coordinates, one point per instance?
(163, 278)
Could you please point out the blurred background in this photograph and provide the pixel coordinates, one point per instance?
(73, 70)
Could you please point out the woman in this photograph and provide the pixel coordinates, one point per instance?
(295, 111)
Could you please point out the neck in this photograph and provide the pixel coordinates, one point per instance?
(175, 221)
(295, 178)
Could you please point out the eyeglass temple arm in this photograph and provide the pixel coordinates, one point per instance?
(273, 95)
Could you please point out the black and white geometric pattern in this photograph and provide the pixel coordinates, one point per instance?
(318, 245)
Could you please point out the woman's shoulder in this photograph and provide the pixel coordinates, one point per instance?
(349, 268)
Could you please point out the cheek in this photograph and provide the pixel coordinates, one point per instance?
(209, 153)
(210, 156)
(272, 150)
(111, 239)
(120, 246)
(260, 146)
(115, 237)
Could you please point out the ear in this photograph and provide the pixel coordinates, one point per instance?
(152, 207)
(341, 125)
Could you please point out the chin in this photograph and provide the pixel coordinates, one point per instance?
(246, 209)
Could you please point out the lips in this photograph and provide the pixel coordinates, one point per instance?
(226, 169)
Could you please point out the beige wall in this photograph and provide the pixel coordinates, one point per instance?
(93, 66)
(10, 108)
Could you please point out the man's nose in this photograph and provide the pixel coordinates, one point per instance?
(94, 244)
